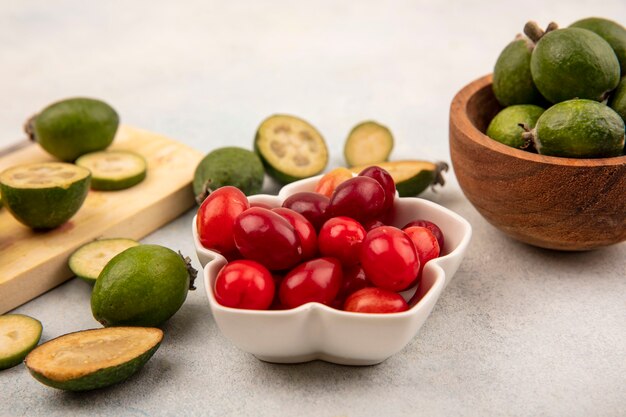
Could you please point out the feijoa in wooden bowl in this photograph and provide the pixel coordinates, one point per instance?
(550, 202)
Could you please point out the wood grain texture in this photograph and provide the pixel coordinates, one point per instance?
(556, 203)
(34, 262)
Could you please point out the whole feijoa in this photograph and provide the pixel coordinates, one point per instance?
(70, 128)
(610, 31)
(142, 286)
(574, 63)
(512, 80)
(579, 128)
(231, 165)
(505, 126)
(618, 99)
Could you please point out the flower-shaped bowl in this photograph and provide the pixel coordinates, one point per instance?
(315, 331)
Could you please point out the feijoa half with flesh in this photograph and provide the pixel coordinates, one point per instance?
(512, 80)
(412, 177)
(618, 99)
(505, 126)
(19, 334)
(88, 261)
(231, 165)
(574, 63)
(70, 128)
(142, 286)
(44, 195)
(368, 143)
(579, 129)
(610, 31)
(114, 169)
(290, 148)
(92, 359)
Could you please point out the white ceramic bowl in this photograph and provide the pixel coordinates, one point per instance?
(315, 331)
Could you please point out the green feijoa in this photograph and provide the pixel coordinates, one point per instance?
(92, 359)
(610, 31)
(579, 128)
(90, 259)
(19, 334)
(618, 99)
(142, 286)
(505, 126)
(231, 165)
(114, 169)
(368, 143)
(44, 195)
(574, 63)
(512, 81)
(70, 128)
(290, 148)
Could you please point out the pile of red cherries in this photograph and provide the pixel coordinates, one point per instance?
(332, 246)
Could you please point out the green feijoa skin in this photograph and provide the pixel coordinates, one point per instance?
(574, 63)
(579, 129)
(44, 195)
(290, 148)
(505, 126)
(19, 334)
(512, 80)
(70, 128)
(231, 165)
(142, 286)
(618, 99)
(92, 359)
(610, 31)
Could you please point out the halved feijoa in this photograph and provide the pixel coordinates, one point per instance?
(114, 170)
(579, 129)
(231, 165)
(412, 176)
(92, 359)
(574, 63)
(70, 128)
(512, 80)
(44, 195)
(19, 334)
(368, 143)
(90, 259)
(290, 148)
(618, 99)
(610, 31)
(505, 126)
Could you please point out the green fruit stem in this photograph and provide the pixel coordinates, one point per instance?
(439, 179)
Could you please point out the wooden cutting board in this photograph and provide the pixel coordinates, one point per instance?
(31, 262)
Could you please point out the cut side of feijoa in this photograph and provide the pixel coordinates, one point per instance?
(368, 143)
(290, 148)
(90, 259)
(412, 176)
(92, 359)
(19, 334)
(114, 170)
(44, 195)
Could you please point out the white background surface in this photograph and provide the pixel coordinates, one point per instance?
(519, 332)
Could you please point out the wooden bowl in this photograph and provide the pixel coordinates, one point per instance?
(550, 202)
